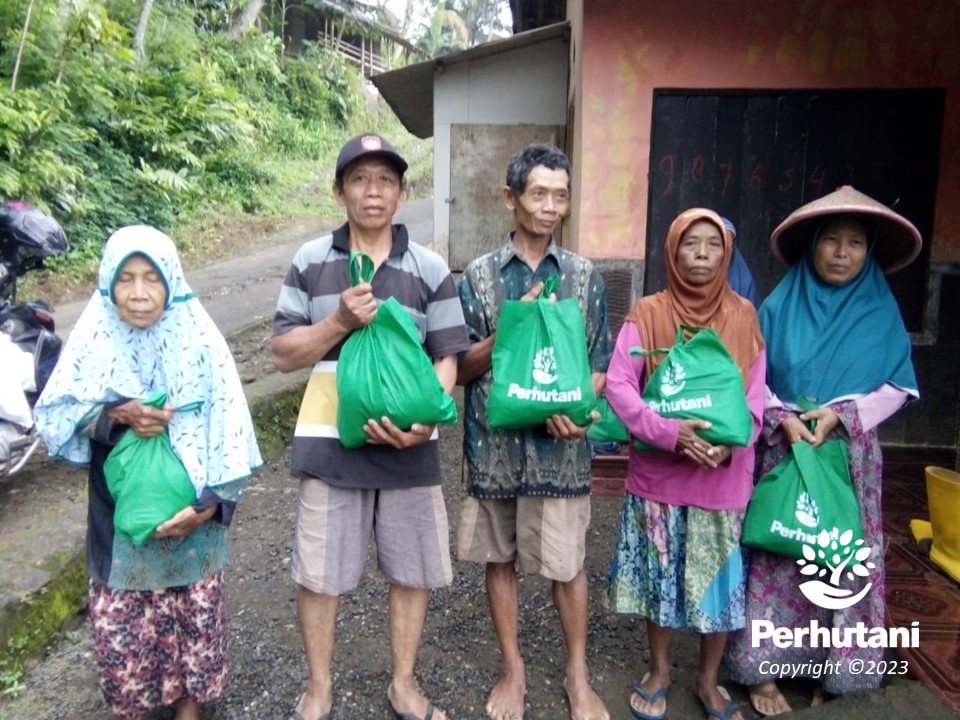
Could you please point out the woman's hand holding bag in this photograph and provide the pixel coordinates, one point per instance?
(809, 492)
(698, 380)
(145, 477)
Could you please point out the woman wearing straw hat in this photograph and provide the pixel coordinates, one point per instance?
(834, 337)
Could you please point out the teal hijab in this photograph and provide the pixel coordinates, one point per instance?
(831, 342)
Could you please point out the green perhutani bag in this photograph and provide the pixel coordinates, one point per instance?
(147, 480)
(609, 428)
(540, 364)
(808, 492)
(698, 380)
(383, 370)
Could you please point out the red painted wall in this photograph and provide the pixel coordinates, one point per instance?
(626, 49)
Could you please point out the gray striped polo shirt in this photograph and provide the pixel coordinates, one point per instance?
(420, 281)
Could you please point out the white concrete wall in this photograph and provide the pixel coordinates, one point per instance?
(524, 86)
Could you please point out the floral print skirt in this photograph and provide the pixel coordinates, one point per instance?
(154, 648)
(678, 566)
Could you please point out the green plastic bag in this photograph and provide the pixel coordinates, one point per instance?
(383, 370)
(146, 479)
(698, 380)
(808, 492)
(609, 428)
(540, 363)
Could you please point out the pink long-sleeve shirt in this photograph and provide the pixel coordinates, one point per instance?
(666, 476)
(873, 407)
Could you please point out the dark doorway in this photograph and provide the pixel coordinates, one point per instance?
(756, 156)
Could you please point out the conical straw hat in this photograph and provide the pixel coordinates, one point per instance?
(898, 241)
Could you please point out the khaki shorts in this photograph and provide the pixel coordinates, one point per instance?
(543, 535)
(334, 526)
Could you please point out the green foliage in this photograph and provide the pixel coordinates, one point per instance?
(457, 24)
(101, 139)
(37, 135)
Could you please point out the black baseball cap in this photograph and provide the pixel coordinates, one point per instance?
(368, 144)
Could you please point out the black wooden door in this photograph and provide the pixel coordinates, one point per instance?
(757, 156)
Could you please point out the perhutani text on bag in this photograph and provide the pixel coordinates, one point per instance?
(698, 380)
(682, 404)
(545, 396)
(792, 533)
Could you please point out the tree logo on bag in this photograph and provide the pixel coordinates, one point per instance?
(545, 366)
(843, 557)
(673, 380)
(807, 512)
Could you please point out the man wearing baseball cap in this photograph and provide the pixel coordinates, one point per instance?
(390, 486)
(370, 146)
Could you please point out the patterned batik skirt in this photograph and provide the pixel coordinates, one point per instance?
(154, 648)
(678, 566)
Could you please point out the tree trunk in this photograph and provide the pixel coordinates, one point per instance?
(23, 41)
(246, 19)
(141, 34)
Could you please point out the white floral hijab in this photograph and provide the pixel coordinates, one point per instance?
(183, 354)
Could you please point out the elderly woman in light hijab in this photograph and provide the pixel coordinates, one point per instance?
(678, 561)
(835, 338)
(156, 608)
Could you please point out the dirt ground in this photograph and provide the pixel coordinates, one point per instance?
(458, 657)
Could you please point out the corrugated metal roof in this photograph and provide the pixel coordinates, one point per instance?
(409, 90)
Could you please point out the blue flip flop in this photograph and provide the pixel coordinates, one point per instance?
(650, 698)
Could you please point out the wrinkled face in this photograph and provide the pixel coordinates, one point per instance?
(840, 251)
(543, 204)
(370, 193)
(139, 292)
(700, 253)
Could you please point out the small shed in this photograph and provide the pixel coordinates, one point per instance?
(480, 106)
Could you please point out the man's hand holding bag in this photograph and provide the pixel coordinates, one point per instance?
(540, 363)
(383, 371)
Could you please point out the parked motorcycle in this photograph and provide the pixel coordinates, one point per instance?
(29, 346)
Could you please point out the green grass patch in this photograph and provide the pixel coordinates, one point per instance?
(274, 419)
(27, 627)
